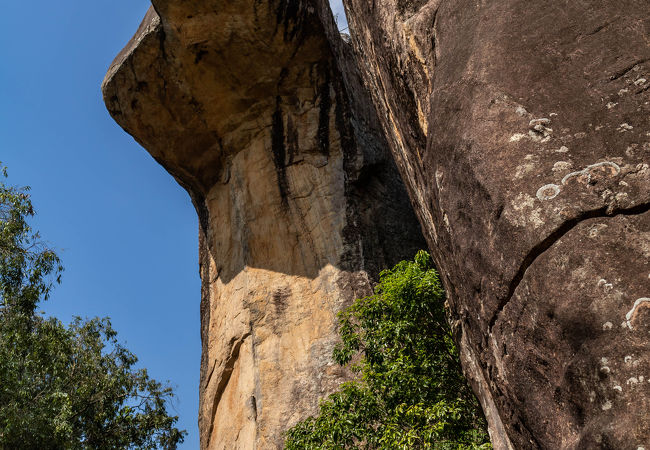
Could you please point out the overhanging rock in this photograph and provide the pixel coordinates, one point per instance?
(299, 201)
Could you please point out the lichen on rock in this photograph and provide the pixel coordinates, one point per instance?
(522, 133)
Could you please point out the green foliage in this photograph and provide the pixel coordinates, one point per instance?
(410, 391)
(65, 387)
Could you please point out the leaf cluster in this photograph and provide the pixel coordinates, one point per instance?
(65, 387)
(409, 391)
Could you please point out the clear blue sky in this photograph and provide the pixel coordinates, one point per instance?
(126, 232)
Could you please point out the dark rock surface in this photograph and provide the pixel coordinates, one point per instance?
(522, 132)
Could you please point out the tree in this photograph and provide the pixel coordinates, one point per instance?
(65, 387)
(409, 391)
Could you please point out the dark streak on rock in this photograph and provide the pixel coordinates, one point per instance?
(292, 141)
(199, 56)
(141, 86)
(350, 232)
(280, 299)
(288, 15)
(161, 39)
(253, 405)
(626, 69)
(324, 113)
(600, 28)
(279, 150)
(640, 91)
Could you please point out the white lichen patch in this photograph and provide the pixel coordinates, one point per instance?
(643, 302)
(518, 137)
(623, 91)
(561, 166)
(562, 149)
(627, 359)
(542, 121)
(621, 196)
(539, 137)
(610, 105)
(548, 192)
(624, 127)
(522, 212)
(439, 176)
(632, 380)
(618, 388)
(640, 81)
(607, 287)
(607, 326)
(445, 218)
(523, 169)
(539, 129)
(607, 405)
(521, 111)
(631, 150)
(609, 168)
(595, 229)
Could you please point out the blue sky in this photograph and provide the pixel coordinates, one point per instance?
(339, 13)
(126, 232)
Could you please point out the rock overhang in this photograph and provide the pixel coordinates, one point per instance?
(194, 100)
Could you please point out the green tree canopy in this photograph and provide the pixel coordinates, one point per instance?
(409, 391)
(65, 387)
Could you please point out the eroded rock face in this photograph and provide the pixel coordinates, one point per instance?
(300, 204)
(522, 130)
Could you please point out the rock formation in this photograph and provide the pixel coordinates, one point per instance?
(522, 132)
(299, 201)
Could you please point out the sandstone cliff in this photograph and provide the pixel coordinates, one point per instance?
(300, 203)
(522, 131)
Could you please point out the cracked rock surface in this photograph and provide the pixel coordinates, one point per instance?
(522, 130)
(522, 133)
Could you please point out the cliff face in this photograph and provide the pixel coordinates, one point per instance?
(522, 131)
(300, 204)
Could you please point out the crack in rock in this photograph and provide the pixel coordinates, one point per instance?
(550, 240)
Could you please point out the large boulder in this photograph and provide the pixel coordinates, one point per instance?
(300, 204)
(522, 130)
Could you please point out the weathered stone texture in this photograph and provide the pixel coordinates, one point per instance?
(300, 204)
(522, 132)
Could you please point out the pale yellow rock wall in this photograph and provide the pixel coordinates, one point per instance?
(299, 203)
